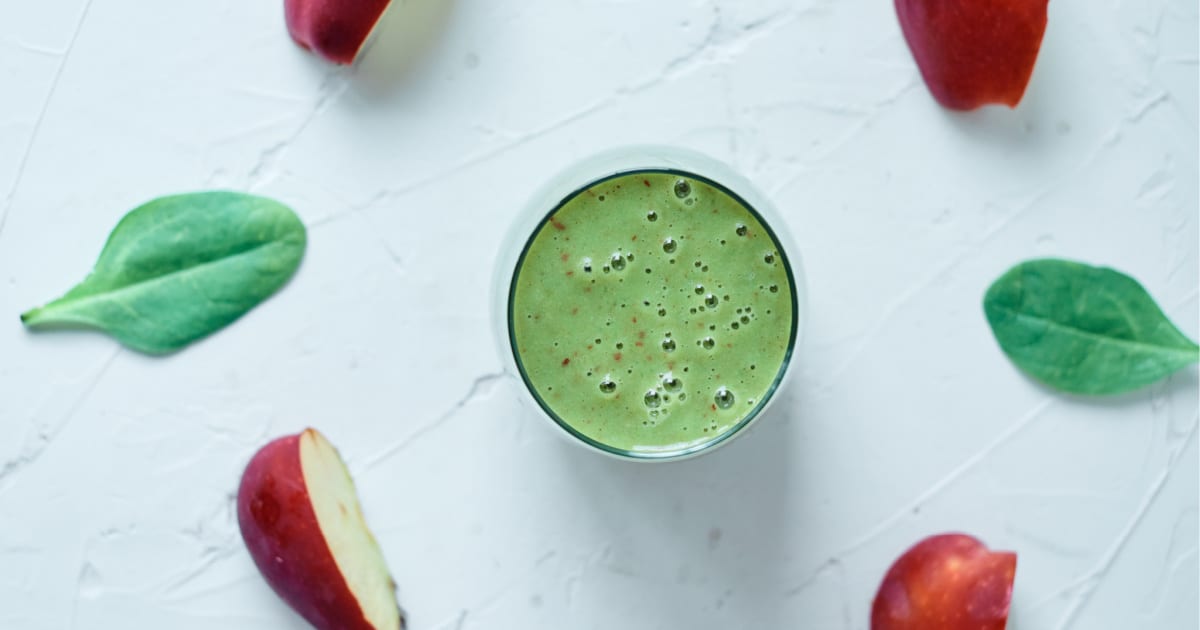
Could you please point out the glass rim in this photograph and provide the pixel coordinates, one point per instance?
(589, 180)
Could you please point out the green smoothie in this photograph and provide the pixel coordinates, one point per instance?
(652, 312)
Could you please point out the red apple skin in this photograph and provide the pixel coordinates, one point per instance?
(974, 52)
(333, 29)
(280, 529)
(946, 582)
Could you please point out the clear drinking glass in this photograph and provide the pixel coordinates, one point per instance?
(581, 176)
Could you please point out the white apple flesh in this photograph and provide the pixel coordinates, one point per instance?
(302, 523)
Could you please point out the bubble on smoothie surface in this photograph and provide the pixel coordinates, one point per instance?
(668, 345)
(741, 230)
(669, 245)
(607, 385)
(710, 300)
(774, 288)
(723, 397)
(699, 289)
(652, 399)
(671, 384)
(769, 258)
(652, 216)
(682, 188)
(709, 343)
(617, 262)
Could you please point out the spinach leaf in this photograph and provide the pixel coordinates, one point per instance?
(1084, 329)
(180, 268)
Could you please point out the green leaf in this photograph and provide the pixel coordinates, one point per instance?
(180, 268)
(1083, 329)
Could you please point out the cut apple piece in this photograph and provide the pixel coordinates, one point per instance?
(974, 52)
(301, 521)
(334, 29)
(946, 582)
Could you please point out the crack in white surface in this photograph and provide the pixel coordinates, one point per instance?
(359, 210)
(956, 473)
(36, 445)
(516, 142)
(497, 596)
(41, 117)
(216, 535)
(813, 577)
(1086, 585)
(911, 292)
(673, 70)
(1144, 108)
(331, 88)
(838, 569)
(1186, 299)
(807, 102)
(934, 490)
(481, 385)
(1173, 559)
(38, 50)
(208, 558)
(545, 557)
(394, 256)
(1046, 544)
(716, 47)
(89, 585)
(458, 622)
(475, 160)
(868, 117)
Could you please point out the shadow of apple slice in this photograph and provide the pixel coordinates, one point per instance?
(301, 521)
(974, 52)
(946, 582)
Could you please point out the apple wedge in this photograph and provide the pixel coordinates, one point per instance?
(974, 52)
(946, 582)
(334, 29)
(301, 521)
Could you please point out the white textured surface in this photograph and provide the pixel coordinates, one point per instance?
(116, 471)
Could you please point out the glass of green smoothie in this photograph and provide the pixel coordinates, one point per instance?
(649, 301)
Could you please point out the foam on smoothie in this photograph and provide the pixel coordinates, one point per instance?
(652, 312)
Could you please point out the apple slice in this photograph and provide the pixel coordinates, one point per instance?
(946, 582)
(301, 521)
(334, 29)
(974, 52)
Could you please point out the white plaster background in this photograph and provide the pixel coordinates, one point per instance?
(117, 470)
